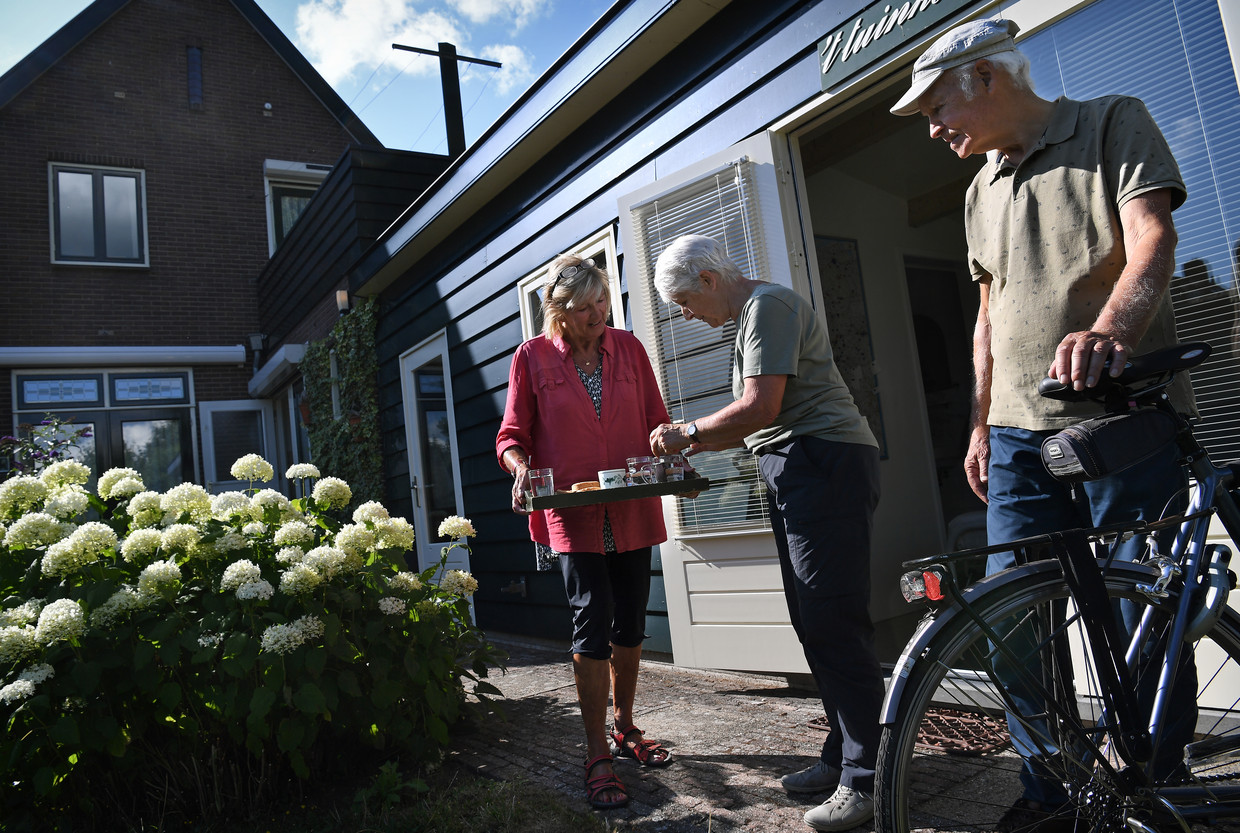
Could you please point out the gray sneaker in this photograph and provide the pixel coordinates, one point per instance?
(844, 809)
(821, 776)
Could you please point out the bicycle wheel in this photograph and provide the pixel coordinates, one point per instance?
(924, 784)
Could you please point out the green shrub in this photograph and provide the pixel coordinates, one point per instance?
(184, 653)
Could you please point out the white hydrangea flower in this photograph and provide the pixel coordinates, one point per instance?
(282, 639)
(84, 546)
(371, 510)
(126, 487)
(210, 640)
(332, 492)
(188, 498)
(18, 690)
(355, 539)
(392, 606)
(268, 498)
(35, 530)
(454, 526)
(38, 673)
(290, 555)
(18, 495)
(261, 590)
(183, 537)
(111, 477)
(232, 541)
(394, 533)
(61, 620)
(299, 579)
(117, 607)
(158, 577)
(293, 534)
(239, 573)
(458, 583)
(252, 467)
(326, 561)
(227, 505)
(17, 642)
(254, 529)
(65, 473)
(405, 582)
(311, 627)
(298, 471)
(67, 501)
(141, 545)
(144, 509)
(26, 613)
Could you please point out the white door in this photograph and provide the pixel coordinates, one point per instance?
(232, 429)
(430, 434)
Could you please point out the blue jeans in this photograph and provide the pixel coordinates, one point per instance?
(822, 496)
(1026, 501)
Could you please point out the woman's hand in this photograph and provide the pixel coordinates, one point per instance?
(520, 486)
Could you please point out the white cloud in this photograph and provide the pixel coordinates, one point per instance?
(516, 72)
(342, 36)
(518, 12)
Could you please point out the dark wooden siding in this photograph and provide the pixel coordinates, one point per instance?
(694, 102)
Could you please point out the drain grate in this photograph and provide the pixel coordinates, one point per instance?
(951, 730)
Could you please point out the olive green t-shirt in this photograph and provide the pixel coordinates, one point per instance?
(1048, 233)
(777, 333)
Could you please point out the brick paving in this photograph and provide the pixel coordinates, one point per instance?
(733, 736)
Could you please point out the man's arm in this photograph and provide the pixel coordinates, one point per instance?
(977, 459)
(728, 427)
(1149, 244)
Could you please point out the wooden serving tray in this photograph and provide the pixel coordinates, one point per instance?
(567, 500)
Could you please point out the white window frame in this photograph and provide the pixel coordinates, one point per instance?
(278, 172)
(601, 244)
(98, 172)
(217, 481)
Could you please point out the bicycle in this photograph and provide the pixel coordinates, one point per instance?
(1097, 693)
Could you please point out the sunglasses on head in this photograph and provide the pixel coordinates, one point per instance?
(569, 271)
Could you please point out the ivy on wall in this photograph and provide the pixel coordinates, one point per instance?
(347, 446)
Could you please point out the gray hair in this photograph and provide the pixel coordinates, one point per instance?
(561, 293)
(678, 269)
(1013, 63)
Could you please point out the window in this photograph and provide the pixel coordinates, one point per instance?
(290, 186)
(98, 215)
(601, 247)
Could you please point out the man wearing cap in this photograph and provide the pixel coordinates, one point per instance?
(1072, 246)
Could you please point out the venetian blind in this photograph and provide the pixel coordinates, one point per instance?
(1193, 97)
(693, 361)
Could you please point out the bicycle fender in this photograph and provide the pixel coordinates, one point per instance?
(929, 627)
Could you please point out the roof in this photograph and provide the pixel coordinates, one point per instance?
(26, 71)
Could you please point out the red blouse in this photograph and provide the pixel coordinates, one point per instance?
(550, 415)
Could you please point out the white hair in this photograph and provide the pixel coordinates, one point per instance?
(681, 264)
(1013, 63)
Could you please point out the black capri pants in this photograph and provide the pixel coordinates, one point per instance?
(608, 595)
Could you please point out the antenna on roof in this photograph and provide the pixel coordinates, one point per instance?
(452, 114)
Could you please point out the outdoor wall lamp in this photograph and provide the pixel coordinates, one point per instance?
(342, 301)
(257, 340)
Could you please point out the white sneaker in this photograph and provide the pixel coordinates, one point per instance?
(821, 776)
(845, 808)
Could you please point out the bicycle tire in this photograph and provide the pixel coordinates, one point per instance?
(928, 789)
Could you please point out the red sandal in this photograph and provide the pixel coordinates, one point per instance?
(647, 752)
(599, 784)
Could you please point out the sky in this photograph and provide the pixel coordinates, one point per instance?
(396, 94)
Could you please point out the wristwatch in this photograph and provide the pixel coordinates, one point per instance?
(692, 432)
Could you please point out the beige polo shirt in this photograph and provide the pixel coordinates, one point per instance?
(1048, 233)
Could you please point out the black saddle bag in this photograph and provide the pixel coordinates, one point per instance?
(1096, 448)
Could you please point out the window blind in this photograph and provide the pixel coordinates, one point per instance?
(694, 362)
(1193, 97)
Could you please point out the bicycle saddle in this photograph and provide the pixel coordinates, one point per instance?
(1146, 367)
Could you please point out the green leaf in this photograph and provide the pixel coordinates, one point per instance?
(316, 661)
(298, 762)
(309, 698)
(437, 729)
(486, 688)
(261, 702)
(86, 677)
(44, 779)
(291, 733)
(347, 681)
(169, 695)
(65, 731)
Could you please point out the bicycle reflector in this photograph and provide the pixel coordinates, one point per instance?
(922, 584)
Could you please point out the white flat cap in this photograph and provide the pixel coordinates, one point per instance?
(967, 42)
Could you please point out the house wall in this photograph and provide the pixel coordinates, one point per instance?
(120, 97)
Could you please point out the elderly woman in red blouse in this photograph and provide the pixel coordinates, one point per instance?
(582, 398)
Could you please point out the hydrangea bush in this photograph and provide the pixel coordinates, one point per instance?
(188, 648)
